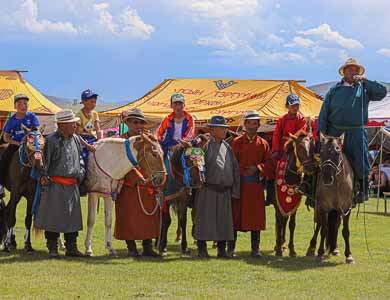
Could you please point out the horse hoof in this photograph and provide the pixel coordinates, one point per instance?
(310, 252)
(336, 252)
(29, 249)
(349, 260)
(186, 252)
(88, 253)
(320, 259)
(112, 253)
(293, 254)
(279, 253)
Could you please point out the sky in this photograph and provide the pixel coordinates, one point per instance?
(123, 48)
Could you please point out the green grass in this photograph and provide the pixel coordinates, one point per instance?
(101, 277)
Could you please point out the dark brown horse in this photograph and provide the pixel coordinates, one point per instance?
(183, 158)
(300, 149)
(25, 165)
(334, 196)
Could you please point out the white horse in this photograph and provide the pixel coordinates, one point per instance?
(108, 165)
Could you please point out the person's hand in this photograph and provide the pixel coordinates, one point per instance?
(250, 171)
(91, 148)
(359, 78)
(16, 143)
(141, 181)
(45, 180)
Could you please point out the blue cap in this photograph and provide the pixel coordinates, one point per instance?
(217, 121)
(88, 94)
(292, 99)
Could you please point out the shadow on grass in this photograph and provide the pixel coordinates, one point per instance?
(382, 214)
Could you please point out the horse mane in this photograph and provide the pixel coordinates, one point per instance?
(298, 134)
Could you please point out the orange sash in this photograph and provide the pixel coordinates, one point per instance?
(63, 180)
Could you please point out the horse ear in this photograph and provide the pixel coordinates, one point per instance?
(322, 136)
(341, 139)
(293, 136)
(138, 142)
(184, 144)
(26, 130)
(42, 128)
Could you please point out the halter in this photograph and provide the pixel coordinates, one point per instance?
(37, 153)
(333, 165)
(186, 168)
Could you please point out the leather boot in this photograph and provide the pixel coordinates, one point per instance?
(71, 246)
(255, 243)
(221, 249)
(148, 249)
(231, 246)
(362, 194)
(132, 249)
(202, 249)
(52, 246)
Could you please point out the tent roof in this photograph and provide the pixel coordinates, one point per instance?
(380, 109)
(12, 83)
(230, 98)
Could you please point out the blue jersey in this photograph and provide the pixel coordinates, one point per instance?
(14, 126)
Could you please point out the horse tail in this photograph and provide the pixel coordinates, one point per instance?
(331, 238)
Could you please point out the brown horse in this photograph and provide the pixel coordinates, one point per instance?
(183, 160)
(25, 165)
(300, 149)
(334, 196)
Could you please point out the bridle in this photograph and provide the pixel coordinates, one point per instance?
(329, 163)
(37, 153)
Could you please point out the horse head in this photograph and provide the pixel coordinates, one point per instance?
(150, 159)
(303, 146)
(193, 162)
(32, 149)
(331, 157)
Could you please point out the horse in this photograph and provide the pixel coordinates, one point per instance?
(187, 165)
(300, 148)
(108, 165)
(25, 165)
(334, 196)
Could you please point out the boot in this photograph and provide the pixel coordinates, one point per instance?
(2, 192)
(221, 249)
(52, 246)
(255, 243)
(148, 249)
(202, 249)
(270, 188)
(71, 246)
(231, 246)
(362, 194)
(305, 188)
(132, 249)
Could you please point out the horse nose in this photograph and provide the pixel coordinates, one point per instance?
(158, 180)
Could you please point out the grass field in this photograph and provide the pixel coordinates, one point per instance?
(101, 277)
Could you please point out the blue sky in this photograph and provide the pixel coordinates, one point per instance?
(123, 48)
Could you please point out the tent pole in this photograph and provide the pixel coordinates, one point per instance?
(380, 163)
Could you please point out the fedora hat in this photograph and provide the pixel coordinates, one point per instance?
(134, 113)
(218, 121)
(351, 62)
(66, 116)
(251, 115)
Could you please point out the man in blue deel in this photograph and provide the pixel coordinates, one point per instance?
(345, 110)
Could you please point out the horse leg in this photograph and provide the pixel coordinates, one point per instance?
(166, 222)
(10, 242)
(324, 229)
(313, 242)
(292, 224)
(108, 203)
(183, 227)
(178, 233)
(92, 202)
(348, 255)
(336, 252)
(278, 232)
(28, 222)
(284, 227)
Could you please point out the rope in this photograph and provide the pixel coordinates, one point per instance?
(142, 205)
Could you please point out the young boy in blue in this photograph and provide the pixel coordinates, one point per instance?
(14, 133)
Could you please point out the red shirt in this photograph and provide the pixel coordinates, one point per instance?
(286, 125)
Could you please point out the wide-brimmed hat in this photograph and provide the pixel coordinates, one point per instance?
(251, 115)
(134, 113)
(293, 99)
(20, 97)
(177, 98)
(351, 62)
(218, 121)
(66, 116)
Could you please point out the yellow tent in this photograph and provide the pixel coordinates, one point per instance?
(230, 98)
(12, 83)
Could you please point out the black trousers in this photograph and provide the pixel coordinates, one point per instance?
(49, 235)
(5, 162)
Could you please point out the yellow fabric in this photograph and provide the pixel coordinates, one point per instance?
(12, 83)
(230, 98)
(88, 124)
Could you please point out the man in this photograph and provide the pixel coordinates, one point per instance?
(59, 208)
(213, 221)
(14, 134)
(137, 213)
(345, 110)
(255, 159)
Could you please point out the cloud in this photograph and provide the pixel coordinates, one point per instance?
(273, 38)
(133, 26)
(384, 52)
(325, 32)
(223, 42)
(28, 19)
(299, 42)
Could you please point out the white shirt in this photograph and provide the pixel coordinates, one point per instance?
(178, 128)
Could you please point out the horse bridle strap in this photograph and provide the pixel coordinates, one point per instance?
(129, 153)
(333, 165)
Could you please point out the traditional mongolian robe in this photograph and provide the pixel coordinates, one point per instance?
(59, 208)
(133, 221)
(213, 206)
(345, 109)
(249, 210)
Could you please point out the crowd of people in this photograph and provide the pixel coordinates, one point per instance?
(233, 196)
